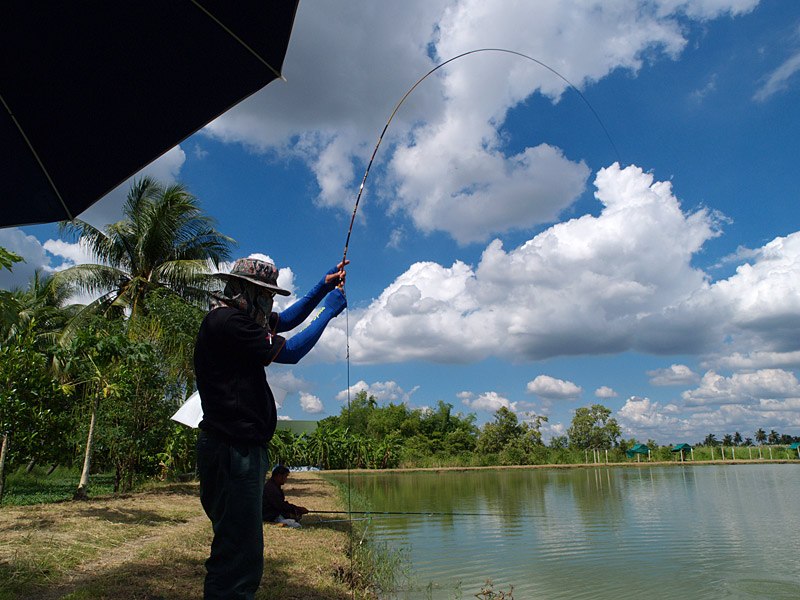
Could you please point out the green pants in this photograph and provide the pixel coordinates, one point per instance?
(231, 484)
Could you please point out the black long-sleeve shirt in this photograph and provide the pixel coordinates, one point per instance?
(274, 503)
(229, 359)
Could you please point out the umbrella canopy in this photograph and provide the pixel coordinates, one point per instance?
(680, 447)
(638, 449)
(93, 91)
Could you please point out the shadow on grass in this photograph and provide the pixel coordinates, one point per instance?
(177, 576)
(128, 516)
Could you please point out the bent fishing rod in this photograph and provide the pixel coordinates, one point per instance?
(361, 191)
(433, 70)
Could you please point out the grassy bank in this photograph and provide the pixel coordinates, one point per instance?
(152, 545)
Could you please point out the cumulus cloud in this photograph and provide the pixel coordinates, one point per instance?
(674, 375)
(605, 392)
(311, 404)
(755, 360)
(596, 284)
(550, 388)
(743, 388)
(551, 430)
(383, 391)
(645, 418)
(29, 248)
(761, 301)
(488, 401)
(286, 379)
(642, 416)
(444, 153)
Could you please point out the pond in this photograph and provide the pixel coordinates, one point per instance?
(697, 531)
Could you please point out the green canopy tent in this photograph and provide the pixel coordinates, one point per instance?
(683, 447)
(796, 446)
(637, 450)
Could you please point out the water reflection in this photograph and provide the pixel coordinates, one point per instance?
(684, 531)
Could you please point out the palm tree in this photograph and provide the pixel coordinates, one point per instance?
(43, 303)
(9, 309)
(773, 437)
(761, 436)
(711, 440)
(165, 240)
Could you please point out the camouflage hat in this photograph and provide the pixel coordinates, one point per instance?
(258, 272)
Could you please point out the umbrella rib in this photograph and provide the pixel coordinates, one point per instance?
(36, 156)
(238, 39)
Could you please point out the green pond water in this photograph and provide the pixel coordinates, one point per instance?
(693, 532)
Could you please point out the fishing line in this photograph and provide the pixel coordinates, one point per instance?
(423, 514)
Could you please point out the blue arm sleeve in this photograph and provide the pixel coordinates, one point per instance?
(297, 312)
(299, 345)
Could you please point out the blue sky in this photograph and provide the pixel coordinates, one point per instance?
(502, 255)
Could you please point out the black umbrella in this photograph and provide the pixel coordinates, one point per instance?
(92, 90)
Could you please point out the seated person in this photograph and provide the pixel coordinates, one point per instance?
(274, 507)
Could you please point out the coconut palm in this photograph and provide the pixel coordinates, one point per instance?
(165, 240)
(761, 436)
(43, 303)
(9, 309)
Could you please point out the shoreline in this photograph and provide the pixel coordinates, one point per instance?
(663, 463)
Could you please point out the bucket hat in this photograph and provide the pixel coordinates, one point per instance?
(257, 272)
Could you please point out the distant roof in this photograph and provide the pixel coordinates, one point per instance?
(680, 447)
(298, 427)
(794, 446)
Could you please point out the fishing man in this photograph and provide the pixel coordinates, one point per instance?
(274, 507)
(237, 340)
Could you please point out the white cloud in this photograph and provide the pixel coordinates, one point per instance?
(488, 401)
(597, 284)
(549, 388)
(641, 417)
(285, 379)
(760, 303)
(444, 149)
(779, 78)
(311, 404)
(71, 253)
(674, 375)
(30, 249)
(605, 392)
(756, 360)
(780, 415)
(383, 391)
(743, 388)
(551, 430)
(644, 418)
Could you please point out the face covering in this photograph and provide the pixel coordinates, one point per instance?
(251, 299)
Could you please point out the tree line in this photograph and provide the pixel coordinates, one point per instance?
(94, 385)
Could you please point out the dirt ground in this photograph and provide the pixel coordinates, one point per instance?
(152, 545)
